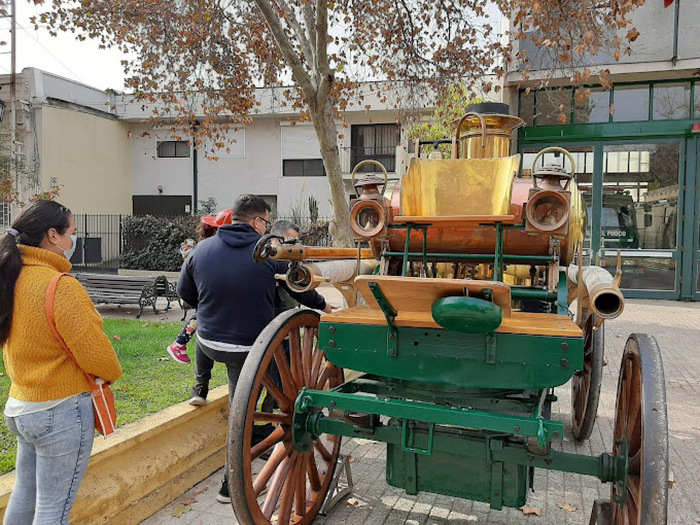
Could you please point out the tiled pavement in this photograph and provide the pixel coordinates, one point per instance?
(675, 325)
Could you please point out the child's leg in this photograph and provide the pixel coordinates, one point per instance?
(178, 350)
(185, 335)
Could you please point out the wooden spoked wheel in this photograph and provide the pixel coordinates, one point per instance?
(585, 384)
(290, 486)
(641, 435)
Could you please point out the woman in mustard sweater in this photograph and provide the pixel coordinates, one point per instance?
(50, 407)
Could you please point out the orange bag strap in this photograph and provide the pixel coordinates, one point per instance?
(51, 316)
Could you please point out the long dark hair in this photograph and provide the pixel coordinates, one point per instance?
(31, 226)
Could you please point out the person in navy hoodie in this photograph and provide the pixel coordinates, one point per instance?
(235, 296)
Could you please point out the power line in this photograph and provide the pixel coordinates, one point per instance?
(36, 39)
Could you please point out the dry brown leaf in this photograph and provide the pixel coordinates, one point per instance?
(351, 502)
(179, 510)
(189, 501)
(567, 507)
(529, 511)
(200, 491)
(117, 338)
(351, 459)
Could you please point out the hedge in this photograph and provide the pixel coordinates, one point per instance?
(153, 242)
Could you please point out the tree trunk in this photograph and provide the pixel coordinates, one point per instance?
(327, 133)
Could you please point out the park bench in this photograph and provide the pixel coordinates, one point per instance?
(129, 289)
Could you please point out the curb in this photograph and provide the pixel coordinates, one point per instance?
(145, 465)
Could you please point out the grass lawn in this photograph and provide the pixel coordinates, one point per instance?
(151, 381)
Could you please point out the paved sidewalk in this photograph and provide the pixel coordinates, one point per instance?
(675, 325)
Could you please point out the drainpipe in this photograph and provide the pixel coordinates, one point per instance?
(195, 169)
(676, 23)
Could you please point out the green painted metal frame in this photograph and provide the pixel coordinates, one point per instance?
(687, 256)
(691, 236)
(498, 257)
(660, 126)
(478, 399)
(562, 294)
(494, 441)
(430, 414)
(495, 447)
(392, 337)
(512, 259)
(441, 357)
(653, 132)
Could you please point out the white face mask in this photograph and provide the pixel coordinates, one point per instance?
(69, 252)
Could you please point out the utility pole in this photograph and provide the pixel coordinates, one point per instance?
(13, 95)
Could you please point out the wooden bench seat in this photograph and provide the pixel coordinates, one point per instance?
(518, 323)
(412, 298)
(128, 289)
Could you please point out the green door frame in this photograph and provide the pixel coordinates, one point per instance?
(687, 252)
(691, 223)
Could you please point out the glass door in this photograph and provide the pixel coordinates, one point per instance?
(640, 216)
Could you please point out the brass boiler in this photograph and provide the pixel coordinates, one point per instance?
(473, 183)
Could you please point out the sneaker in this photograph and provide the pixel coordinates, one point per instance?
(197, 401)
(223, 496)
(199, 395)
(179, 353)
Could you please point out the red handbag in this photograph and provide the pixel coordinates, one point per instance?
(102, 397)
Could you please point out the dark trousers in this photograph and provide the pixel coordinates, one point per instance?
(203, 365)
(233, 360)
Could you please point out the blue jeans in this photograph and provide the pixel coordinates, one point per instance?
(53, 450)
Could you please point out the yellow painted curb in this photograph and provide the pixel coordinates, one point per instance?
(145, 465)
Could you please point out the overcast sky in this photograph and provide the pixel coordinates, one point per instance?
(62, 55)
(65, 56)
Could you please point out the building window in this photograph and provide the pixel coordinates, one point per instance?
(374, 142)
(594, 109)
(303, 168)
(671, 101)
(631, 103)
(553, 107)
(173, 148)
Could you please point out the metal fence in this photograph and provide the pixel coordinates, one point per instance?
(4, 216)
(101, 239)
(99, 242)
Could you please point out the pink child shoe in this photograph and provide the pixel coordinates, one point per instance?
(179, 353)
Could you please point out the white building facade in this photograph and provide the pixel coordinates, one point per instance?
(106, 157)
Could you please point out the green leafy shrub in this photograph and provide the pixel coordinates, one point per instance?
(152, 243)
(208, 207)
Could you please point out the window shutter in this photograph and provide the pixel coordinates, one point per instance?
(300, 142)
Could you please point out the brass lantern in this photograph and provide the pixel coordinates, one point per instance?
(368, 212)
(548, 204)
